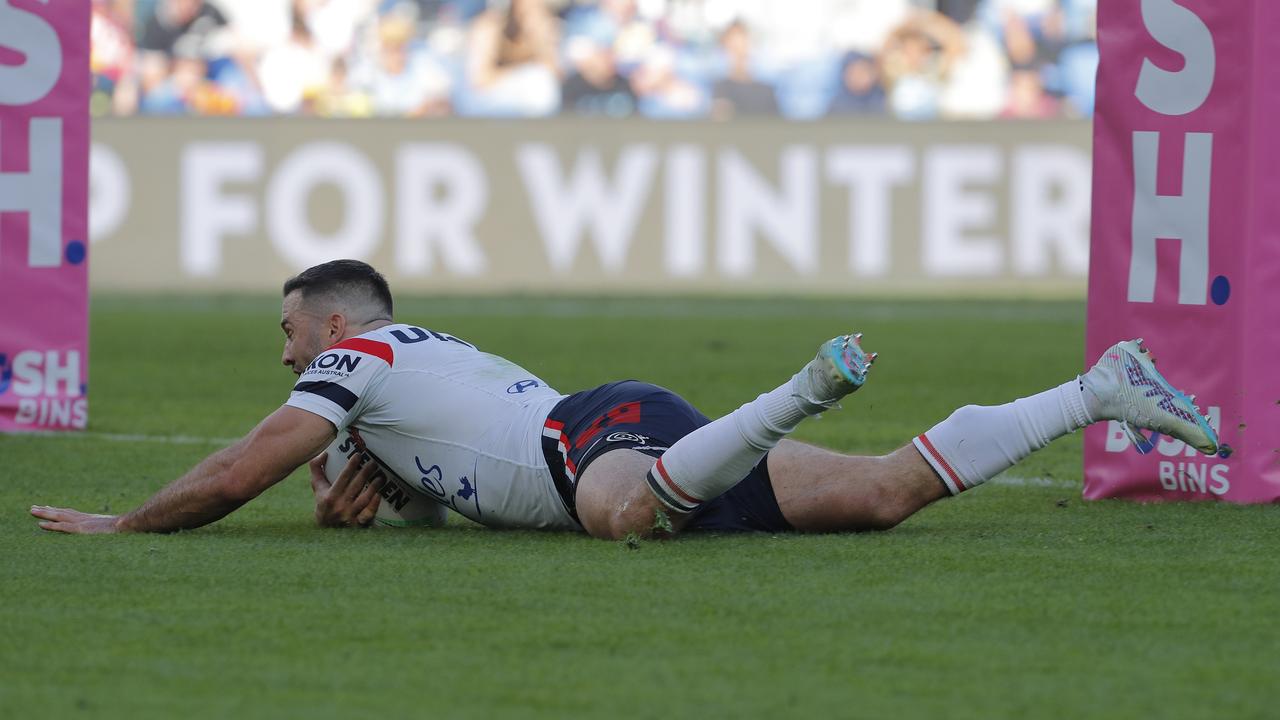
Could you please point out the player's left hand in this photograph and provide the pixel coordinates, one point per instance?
(66, 520)
(352, 499)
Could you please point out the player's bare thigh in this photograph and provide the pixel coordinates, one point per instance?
(613, 498)
(817, 490)
(820, 490)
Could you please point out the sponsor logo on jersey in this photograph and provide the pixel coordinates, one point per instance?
(466, 489)
(627, 437)
(523, 386)
(394, 491)
(411, 335)
(340, 364)
(431, 481)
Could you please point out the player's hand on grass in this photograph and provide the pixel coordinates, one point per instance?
(67, 520)
(352, 499)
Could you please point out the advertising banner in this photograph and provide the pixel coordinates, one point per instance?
(44, 153)
(1186, 237)
(583, 206)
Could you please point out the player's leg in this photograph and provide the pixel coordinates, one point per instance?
(715, 457)
(613, 499)
(823, 491)
(818, 490)
(976, 443)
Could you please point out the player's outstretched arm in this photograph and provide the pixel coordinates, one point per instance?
(222, 482)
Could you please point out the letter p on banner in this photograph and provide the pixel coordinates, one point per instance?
(44, 179)
(1186, 237)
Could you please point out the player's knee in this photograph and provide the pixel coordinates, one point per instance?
(613, 521)
(634, 519)
(968, 414)
(622, 525)
(644, 522)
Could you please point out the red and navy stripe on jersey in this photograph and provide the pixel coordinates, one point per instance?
(337, 362)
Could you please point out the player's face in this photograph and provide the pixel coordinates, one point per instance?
(306, 334)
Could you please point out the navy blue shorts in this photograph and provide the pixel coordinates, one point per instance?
(639, 416)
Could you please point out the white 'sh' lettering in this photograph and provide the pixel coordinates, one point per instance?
(1182, 31)
(38, 192)
(1183, 217)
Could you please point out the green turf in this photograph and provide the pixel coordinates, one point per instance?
(1013, 601)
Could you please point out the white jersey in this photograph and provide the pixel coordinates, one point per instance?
(461, 426)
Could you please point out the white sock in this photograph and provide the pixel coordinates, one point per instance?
(977, 443)
(708, 461)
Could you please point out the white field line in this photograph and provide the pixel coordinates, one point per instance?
(1010, 480)
(131, 438)
(1034, 482)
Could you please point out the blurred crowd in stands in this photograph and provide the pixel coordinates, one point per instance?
(673, 59)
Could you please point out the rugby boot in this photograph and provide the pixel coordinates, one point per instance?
(839, 369)
(1124, 385)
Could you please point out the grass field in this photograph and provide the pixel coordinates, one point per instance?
(1015, 600)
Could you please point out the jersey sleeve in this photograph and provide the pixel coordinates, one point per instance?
(342, 381)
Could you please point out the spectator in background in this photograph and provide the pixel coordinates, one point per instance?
(595, 87)
(512, 61)
(1020, 43)
(917, 59)
(995, 11)
(739, 93)
(1027, 97)
(975, 84)
(662, 93)
(631, 46)
(187, 88)
(111, 59)
(860, 91)
(864, 25)
(339, 99)
(601, 21)
(404, 80)
(960, 11)
(173, 19)
(1078, 65)
(656, 57)
(237, 74)
(153, 70)
(334, 23)
(1051, 36)
(289, 71)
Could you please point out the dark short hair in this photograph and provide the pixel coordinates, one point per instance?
(340, 278)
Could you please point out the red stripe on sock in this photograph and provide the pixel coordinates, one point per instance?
(943, 462)
(674, 487)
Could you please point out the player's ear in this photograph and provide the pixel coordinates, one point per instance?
(337, 326)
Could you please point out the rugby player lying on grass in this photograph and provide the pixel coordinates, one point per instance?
(505, 450)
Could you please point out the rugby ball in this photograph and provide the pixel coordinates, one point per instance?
(401, 505)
